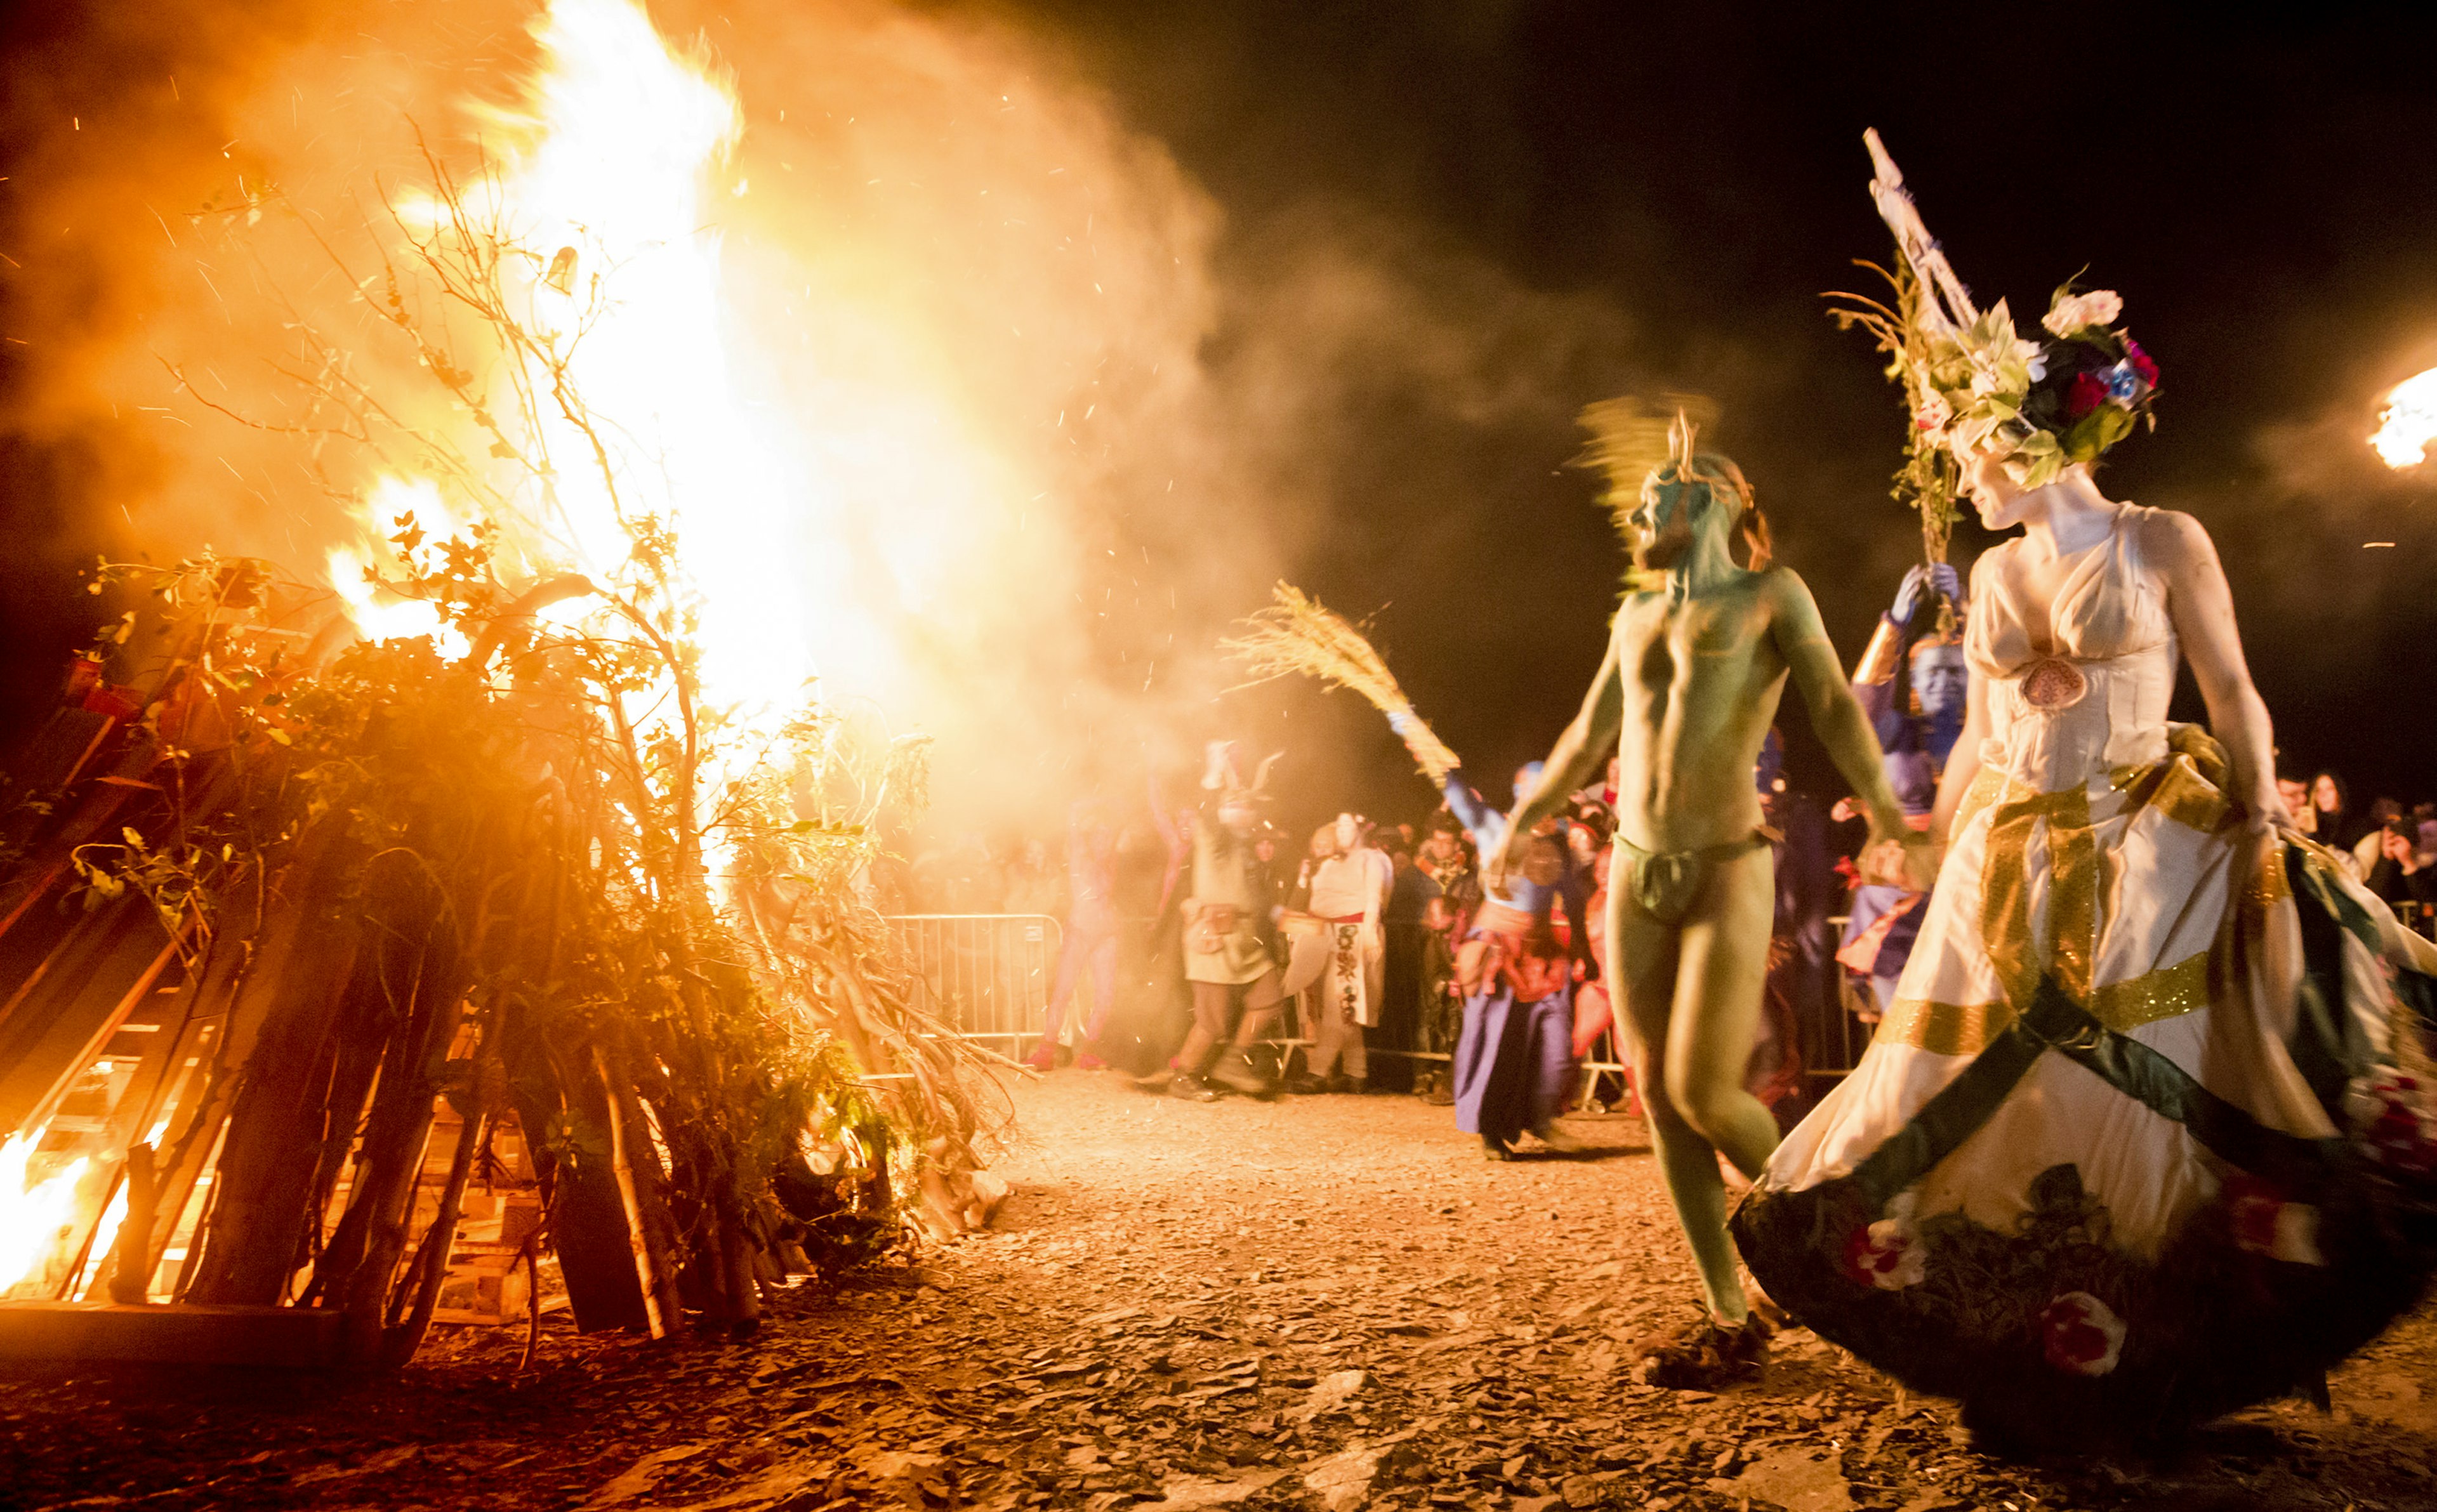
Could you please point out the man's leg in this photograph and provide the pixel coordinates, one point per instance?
(1354, 1050)
(1327, 1031)
(1210, 1003)
(1642, 968)
(1262, 1000)
(1722, 973)
(1692, 1064)
(1070, 960)
(1375, 992)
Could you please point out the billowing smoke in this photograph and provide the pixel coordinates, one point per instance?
(1049, 424)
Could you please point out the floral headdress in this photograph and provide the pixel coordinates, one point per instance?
(1975, 383)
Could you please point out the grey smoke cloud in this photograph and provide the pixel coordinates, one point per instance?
(1151, 413)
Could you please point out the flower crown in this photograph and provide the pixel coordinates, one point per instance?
(2039, 406)
(1976, 384)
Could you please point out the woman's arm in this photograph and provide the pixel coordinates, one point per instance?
(2203, 609)
(1963, 762)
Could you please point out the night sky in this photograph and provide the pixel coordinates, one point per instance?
(2265, 197)
(1691, 179)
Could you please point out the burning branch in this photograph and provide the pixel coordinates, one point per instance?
(515, 862)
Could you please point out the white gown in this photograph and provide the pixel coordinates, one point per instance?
(2143, 1136)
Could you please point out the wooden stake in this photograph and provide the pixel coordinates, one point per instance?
(626, 1195)
(430, 1269)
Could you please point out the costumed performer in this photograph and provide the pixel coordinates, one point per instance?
(1699, 656)
(1515, 1067)
(1228, 918)
(1297, 634)
(1089, 949)
(1339, 956)
(1912, 681)
(2145, 1136)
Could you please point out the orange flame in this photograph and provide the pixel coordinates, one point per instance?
(32, 1213)
(624, 136)
(2409, 422)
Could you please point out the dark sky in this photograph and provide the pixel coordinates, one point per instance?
(1691, 178)
(2264, 195)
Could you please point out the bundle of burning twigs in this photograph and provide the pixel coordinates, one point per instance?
(382, 874)
(1297, 634)
(512, 871)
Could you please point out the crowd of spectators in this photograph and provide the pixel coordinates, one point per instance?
(2389, 849)
(1429, 891)
(1428, 888)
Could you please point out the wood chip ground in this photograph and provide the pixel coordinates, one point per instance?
(1324, 1303)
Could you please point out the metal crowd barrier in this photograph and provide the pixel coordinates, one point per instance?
(989, 975)
(2419, 917)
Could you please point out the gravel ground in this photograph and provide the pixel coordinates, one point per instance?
(1328, 1302)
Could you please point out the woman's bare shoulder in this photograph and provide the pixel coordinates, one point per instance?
(2171, 539)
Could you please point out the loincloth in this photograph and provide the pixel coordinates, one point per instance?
(1666, 887)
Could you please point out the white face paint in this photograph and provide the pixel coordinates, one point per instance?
(1349, 832)
(1992, 491)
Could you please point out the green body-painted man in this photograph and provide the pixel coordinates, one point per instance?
(1699, 656)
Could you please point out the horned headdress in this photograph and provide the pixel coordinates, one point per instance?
(1634, 444)
(1219, 776)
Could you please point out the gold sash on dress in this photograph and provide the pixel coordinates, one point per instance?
(2187, 786)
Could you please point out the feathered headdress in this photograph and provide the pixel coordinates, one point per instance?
(1974, 383)
(1632, 442)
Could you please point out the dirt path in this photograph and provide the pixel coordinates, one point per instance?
(1328, 1302)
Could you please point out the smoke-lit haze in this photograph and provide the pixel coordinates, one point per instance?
(1037, 449)
(1074, 325)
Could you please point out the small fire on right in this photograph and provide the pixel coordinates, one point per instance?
(2409, 422)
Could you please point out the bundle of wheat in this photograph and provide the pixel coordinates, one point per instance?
(1299, 634)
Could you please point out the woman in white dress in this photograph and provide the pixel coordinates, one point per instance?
(2145, 1136)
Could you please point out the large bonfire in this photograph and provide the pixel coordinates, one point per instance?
(516, 853)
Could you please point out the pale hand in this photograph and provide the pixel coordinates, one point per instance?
(1908, 860)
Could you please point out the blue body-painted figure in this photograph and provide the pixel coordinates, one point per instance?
(1879, 937)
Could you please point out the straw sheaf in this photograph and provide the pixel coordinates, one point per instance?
(1297, 634)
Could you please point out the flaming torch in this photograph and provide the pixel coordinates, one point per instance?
(2409, 422)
